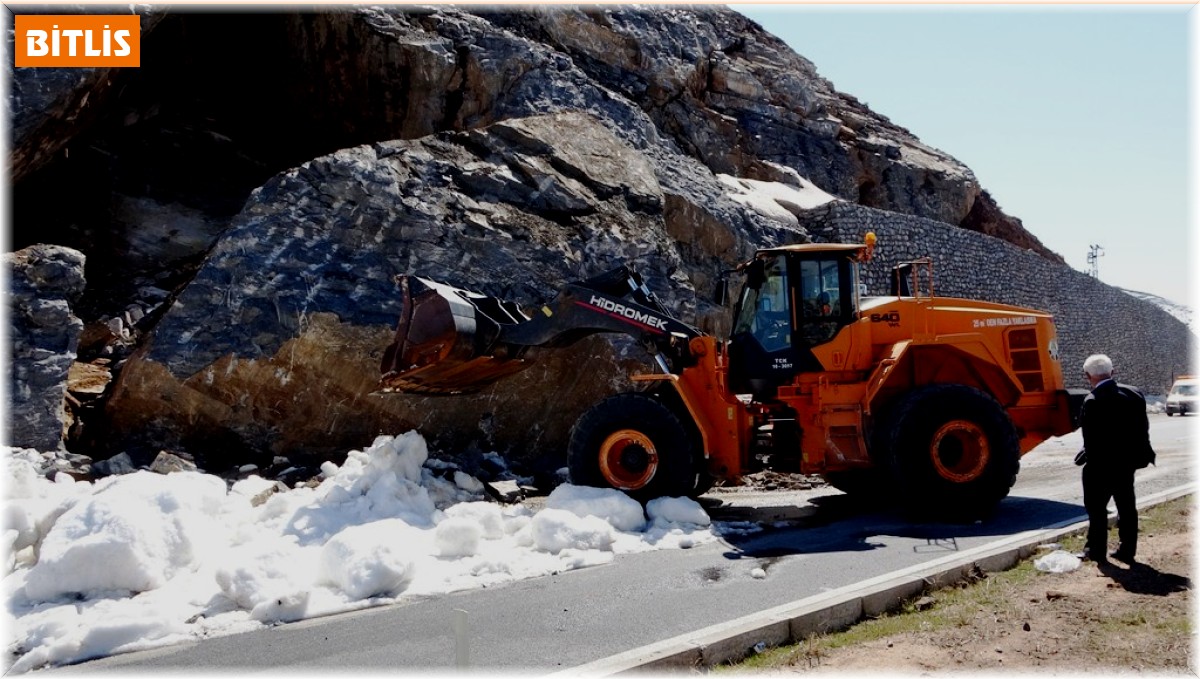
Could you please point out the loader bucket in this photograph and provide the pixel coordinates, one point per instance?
(446, 340)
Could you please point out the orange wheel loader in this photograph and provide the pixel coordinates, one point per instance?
(929, 399)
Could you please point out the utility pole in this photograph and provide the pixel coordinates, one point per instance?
(1095, 252)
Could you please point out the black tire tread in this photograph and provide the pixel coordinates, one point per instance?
(676, 476)
(916, 481)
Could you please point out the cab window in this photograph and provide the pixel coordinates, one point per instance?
(765, 307)
(820, 288)
(821, 298)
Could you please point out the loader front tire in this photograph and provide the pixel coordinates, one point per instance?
(636, 444)
(954, 451)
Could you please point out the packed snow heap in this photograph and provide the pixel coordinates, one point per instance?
(143, 560)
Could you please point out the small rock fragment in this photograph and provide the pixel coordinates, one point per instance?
(165, 463)
(261, 499)
(117, 464)
(504, 491)
(85, 380)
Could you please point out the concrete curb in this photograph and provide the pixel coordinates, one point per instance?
(838, 609)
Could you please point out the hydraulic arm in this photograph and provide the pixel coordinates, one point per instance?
(452, 341)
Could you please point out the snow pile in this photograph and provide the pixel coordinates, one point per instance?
(143, 560)
(618, 509)
(777, 201)
(557, 531)
(142, 530)
(33, 505)
(672, 510)
(366, 561)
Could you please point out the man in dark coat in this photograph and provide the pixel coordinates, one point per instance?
(1114, 426)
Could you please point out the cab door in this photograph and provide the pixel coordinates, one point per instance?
(827, 300)
(762, 352)
(791, 303)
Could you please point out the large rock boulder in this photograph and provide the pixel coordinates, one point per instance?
(275, 346)
(44, 282)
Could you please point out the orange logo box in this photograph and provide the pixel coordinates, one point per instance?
(77, 40)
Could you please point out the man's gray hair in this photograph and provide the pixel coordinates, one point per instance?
(1098, 365)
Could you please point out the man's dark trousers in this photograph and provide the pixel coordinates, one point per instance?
(1100, 484)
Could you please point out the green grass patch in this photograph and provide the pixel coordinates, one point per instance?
(1163, 517)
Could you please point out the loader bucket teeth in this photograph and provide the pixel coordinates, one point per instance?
(446, 340)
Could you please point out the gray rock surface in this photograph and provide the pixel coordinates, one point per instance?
(44, 282)
(733, 95)
(120, 463)
(168, 159)
(716, 86)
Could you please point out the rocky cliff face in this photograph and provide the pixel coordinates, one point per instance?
(242, 224)
(165, 156)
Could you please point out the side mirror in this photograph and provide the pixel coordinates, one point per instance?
(721, 293)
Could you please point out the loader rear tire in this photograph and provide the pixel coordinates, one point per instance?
(954, 451)
(636, 444)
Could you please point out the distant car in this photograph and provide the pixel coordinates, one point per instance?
(1182, 398)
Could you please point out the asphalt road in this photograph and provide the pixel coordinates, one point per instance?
(563, 621)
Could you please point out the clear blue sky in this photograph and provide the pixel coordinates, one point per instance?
(1074, 118)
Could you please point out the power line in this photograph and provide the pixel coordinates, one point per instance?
(1095, 252)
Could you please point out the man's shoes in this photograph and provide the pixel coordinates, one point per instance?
(1123, 557)
(1087, 555)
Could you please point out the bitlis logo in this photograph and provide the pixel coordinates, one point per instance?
(77, 40)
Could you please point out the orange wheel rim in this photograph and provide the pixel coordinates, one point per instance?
(960, 451)
(628, 459)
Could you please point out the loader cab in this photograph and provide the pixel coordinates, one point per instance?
(795, 297)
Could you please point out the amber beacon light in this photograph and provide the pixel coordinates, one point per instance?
(77, 40)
